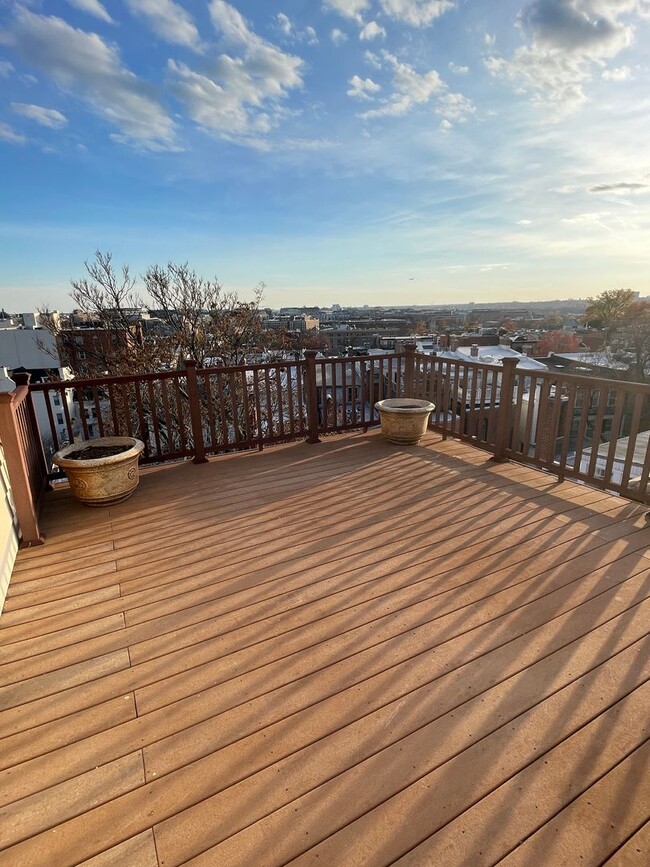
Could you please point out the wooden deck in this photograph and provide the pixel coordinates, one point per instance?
(342, 654)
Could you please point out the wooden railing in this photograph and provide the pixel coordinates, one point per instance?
(194, 412)
(25, 460)
(594, 430)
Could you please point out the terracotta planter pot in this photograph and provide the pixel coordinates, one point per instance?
(404, 419)
(102, 481)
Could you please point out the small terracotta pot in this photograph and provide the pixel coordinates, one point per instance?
(102, 481)
(404, 420)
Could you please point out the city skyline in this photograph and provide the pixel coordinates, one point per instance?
(379, 152)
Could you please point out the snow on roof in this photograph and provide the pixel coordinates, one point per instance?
(600, 359)
(622, 444)
(492, 355)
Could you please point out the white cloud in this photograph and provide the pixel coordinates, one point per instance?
(489, 39)
(577, 26)
(284, 23)
(494, 266)
(524, 222)
(348, 8)
(338, 37)
(85, 65)
(9, 135)
(458, 70)
(410, 88)
(621, 73)
(168, 20)
(372, 30)
(287, 28)
(445, 125)
(417, 13)
(565, 41)
(361, 88)
(373, 59)
(455, 107)
(49, 117)
(92, 7)
(238, 95)
(6, 68)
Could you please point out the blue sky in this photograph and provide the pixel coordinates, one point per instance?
(340, 151)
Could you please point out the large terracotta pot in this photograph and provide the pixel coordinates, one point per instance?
(106, 480)
(404, 419)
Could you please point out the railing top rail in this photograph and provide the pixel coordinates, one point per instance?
(88, 382)
(105, 380)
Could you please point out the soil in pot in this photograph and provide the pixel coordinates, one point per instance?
(92, 453)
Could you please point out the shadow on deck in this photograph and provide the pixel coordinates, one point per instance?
(348, 653)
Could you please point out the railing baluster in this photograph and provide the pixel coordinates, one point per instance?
(290, 401)
(127, 410)
(542, 416)
(182, 425)
(222, 411)
(300, 397)
(258, 410)
(344, 392)
(154, 415)
(50, 416)
(568, 423)
(232, 387)
(615, 432)
(278, 388)
(82, 412)
(164, 385)
(603, 400)
(269, 406)
(632, 441)
(246, 407)
(207, 379)
(111, 398)
(531, 412)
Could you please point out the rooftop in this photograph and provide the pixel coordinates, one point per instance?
(347, 653)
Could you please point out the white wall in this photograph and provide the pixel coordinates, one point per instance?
(19, 347)
(8, 531)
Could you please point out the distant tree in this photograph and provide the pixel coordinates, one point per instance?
(609, 309)
(557, 341)
(421, 328)
(636, 339)
(626, 322)
(508, 326)
(200, 320)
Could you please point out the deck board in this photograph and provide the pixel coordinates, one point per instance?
(345, 653)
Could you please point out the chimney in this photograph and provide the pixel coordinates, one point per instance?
(453, 344)
(474, 350)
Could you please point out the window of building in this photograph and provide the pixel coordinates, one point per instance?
(59, 418)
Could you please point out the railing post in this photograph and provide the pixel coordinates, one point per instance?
(409, 370)
(17, 469)
(504, 417)
(312, 396)
(195, 412)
